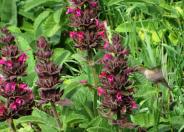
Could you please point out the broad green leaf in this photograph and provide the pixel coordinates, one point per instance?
(50, 27)
(127, 26)
(30, 4)
(40, 18)
(27, 119)
(57, 15)
(8, 12)
(25, 47)
(143, 119)
(60, 55)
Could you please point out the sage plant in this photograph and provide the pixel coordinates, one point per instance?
(19, 97)
(48, 77)
(116, 89)
(89, 33)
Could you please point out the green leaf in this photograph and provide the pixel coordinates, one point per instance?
(50, 27)
(128, 26)
(60, 55)
(40, 18)
(57, 15)
(25, 47)
(8, 12)
(143, 119)
(27, 119)
(30, 4)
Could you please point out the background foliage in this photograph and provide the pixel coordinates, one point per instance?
(152, 30)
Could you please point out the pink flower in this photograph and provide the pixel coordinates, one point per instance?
(101, 33)
(9, 63)
(107, 57)
(93, 4)
(97, 22)
(73, 34)
(2, 61)
(133, 105)
(106, 45)
(23, 86)
(19, 101)
(13, 106)
(103, 75)
(22, 58)
(78, 12)
(83, 82)
(100, 91)
(80, 35)
(70, 11)
(119, 96)
(10, 87)
(110, 78)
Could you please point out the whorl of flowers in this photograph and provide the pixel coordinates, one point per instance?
(90, 31)
(116, 89)
(48, 73)
(19, 98)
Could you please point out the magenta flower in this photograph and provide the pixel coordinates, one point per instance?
(22, 58)
(107, 57)
(19, 101)
(70, 11)
(101, 34)
(93, 4)
(13, 106)
(119, 97)
(78, 12)
(106, 45)
(80, 35)
(85, 20)
(2, 61)
(13, 68)
(134, 105)
(110, 78)
(100, 91)
(97, 22)
(73, 34)
(103, 75)
(10, 87)
(23, 86)
(9, 64)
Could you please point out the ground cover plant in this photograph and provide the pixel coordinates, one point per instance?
(91, 65)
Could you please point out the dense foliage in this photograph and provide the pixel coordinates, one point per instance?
(73, 65)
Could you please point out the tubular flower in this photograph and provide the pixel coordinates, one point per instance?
(48, 73)
(19, 102)
(91, 32)
(114, 79)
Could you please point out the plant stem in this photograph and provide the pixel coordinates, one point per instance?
(92, 65)
(56, 116)
(12, 125)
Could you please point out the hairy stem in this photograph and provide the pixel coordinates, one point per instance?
(92, 65)
(56, 116)
(12, 125)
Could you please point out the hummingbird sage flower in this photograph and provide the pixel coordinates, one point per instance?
(48, 73)
(19, 97)
(90, 31)
(48, 78)
(116, 89)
